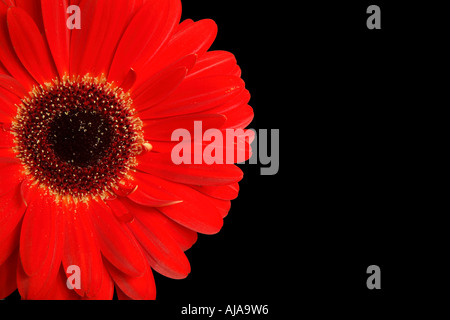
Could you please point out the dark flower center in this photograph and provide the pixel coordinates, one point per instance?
(78, 137)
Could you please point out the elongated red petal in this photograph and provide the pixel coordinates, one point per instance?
(116, 18)
(33, 8)
(37, 228)
(158, 88)
(8, 275)
(81, 248)
(196, 212)
(36, 287)
(227, 192)
(6, 139)
(8, 102)
(184, 24)
(58, 289)
(41, 243)
(136, 288)
(30, 46)
(161, 165)
(168, 76)
(12, 85)
(55, 17)
(150, 194)
(3, 69)
(184, 237)
(93, 46)
(196, 38)
(129, 81)
(196, 95)
(10, 243)
(12, 209)
(8, 56)
(162, 129)
(239, 117)
(145, 197)
(85, 42)
(116, 242)
(214, 63)
(120, 210)
(166, 253)
(10, 172)
(146, 33)
(223, 206)
(106, 291)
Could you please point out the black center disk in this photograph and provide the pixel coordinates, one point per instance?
(80, 138)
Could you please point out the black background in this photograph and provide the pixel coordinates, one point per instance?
(350, 104)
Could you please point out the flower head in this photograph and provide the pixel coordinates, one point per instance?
(86, 118)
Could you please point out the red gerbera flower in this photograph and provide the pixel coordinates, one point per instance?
(86, 117)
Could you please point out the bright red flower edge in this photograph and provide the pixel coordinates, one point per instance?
(141, 220)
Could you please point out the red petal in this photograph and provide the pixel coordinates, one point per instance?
(120, 210)
(151, 194)
(85, 42)
(184, 237)
(37, 286)
(163, 129)
(92, 46)
(3, 70)
(4, 118)
(169, 78)
(81, 248)
(136, 288)
(7, 155)
(8, 276)
(107, 290)
(196, 212)
(8, 56)
(125, 187)
(30, 46)
(184, 24)
(6, 139)
(129, 81)
(9, 243)
(13, 86)
(116, 242)
(12, 209)
(8, 101)
(55, 17)
(240, 117)
(223, 206)
(167, 255)
(228, 192)
(196, 38)
(116, 20)
(214, 63)
(33, 8)
(196, 95)
(10, 173)
(162, 166)
(146, 33)
(157, 88)
(58, 289)
(146, 198)
(40, 235)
